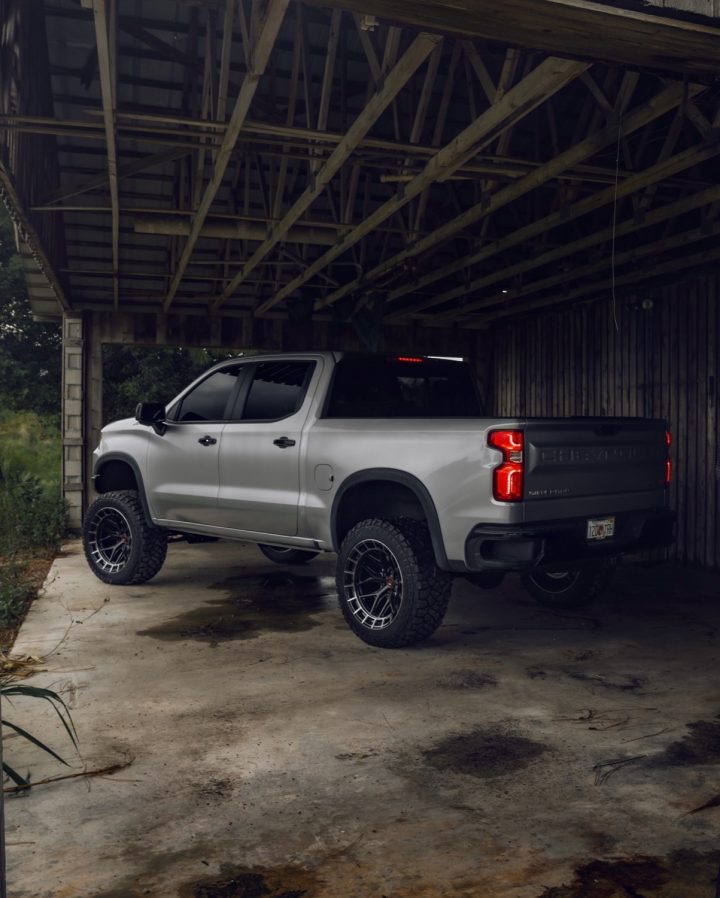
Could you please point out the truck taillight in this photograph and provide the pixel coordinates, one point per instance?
(668, 463)
(508, 476)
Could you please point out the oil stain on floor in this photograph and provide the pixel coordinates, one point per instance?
(290, 882)
(700, 746)
(255, 604)
(483, 754)
(684, 874)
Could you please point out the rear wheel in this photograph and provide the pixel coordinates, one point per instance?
(120, 546)
(281, 555)
(569, 588)
(391, 592)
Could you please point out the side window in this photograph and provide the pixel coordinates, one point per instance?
(209, 399)
(277, 390)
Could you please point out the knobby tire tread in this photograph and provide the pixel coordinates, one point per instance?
(153, 539)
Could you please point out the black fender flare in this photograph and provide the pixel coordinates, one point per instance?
(130, 461)
(416, 486)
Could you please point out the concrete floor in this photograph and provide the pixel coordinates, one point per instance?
(521, 752)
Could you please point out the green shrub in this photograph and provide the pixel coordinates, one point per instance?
(14, 593)
(31, 515)
(30, 444)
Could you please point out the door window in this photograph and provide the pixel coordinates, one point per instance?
(209, 400)
(277, 390)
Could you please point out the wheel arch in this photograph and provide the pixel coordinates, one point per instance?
(360, 496)
(119, 471)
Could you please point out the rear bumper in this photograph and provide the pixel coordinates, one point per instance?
(547, 544)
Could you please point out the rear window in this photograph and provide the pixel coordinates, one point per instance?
(392, 388)
(277, 390)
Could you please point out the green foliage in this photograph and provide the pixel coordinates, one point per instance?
(31, 515)
(133, 374)
(30, 351)
(14, 593)
(30, 444)
(9, 689)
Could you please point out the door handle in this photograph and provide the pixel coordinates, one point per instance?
(284, 442)
(207, 441)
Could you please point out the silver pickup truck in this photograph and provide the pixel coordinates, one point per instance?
(390, 462)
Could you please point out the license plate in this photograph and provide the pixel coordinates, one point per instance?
(600, 528)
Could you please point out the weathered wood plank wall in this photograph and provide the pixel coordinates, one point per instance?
(662, 362)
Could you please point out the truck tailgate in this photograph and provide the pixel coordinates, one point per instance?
(593, 465)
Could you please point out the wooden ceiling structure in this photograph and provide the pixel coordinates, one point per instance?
(410, 161)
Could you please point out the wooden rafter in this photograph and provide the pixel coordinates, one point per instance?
(506, 274)
(409, 63)
(583, 28)
(261, 48)
(124, 171)
(597, 288)
(638, 118)
(549, 77)
(107, 91)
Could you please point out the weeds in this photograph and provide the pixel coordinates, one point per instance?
(32, 515)
(8, 689)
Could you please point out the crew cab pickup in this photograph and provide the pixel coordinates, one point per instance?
(391, 463)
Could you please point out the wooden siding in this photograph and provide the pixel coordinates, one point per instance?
(662, 362)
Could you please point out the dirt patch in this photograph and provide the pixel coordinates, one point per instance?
(685, 873)
(33, 568)
(255, 882)
(467, 679)
(280, 603)
(700, 746)
(483, 754)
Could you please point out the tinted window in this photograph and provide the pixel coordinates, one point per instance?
(388, 388)
(207, 402)
(277, 390)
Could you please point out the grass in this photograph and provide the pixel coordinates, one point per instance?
(33, 514)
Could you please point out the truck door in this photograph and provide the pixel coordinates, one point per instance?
(260, 450)
(182, 468)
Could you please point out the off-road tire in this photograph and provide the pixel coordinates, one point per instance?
(417, 608)
(286, 556)
(569, 588)
(139, 549)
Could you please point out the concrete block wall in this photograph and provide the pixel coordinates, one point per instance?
(73, 430)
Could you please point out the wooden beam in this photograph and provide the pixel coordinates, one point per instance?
(107, 91)
(504, 275)
(549, 77)
(684, 263)
(480, 69)
(27, 233)
(642, 115)
(225, 58)
(409, 63)
(328, 72)
(170, 226)
(124, 171)
(262, 46)
(656, 248)
(581, 28)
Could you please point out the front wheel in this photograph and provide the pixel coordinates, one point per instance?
(281, 555)
(120, 546)
(570, 588)
(391, 592)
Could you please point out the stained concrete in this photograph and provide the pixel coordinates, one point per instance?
(520, 752)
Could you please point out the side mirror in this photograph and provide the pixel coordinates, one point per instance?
(152, 414)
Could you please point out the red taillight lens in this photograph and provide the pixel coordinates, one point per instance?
(668, 463)
(508, 476)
